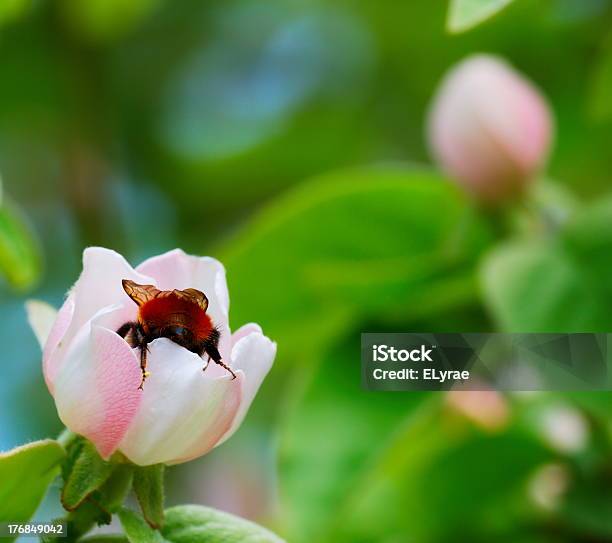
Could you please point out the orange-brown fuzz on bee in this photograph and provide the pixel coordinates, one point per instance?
(174, 311)
(178, 315)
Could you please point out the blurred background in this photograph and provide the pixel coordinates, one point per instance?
(287, 139)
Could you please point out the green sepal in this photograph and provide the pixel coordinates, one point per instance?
(99, 506)
(149, 489)
(113, 493)
(84, 472)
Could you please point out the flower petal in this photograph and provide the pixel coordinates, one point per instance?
(97, 392)
(253, 353)
(41, 317)
(49, 326)
(184, 410)
(100, 285)
(57, 333)
(178, 270)
(245, 331)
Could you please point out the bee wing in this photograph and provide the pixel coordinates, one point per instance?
(141, 294)
(193, 295)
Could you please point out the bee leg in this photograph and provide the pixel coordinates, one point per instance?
(143, 364)
(132, 333)
(212, 352)
(223, 365)
(207, 363)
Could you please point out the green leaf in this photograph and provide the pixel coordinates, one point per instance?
(20, 259)
(102, 20)
(329, 401)
(465, 14)
(596, 403)
(397, 464)
(531, 287)
(195, 523)
(599, 99)
(136, 528)
(560, 284)
(427, 481)
(86, 473)
(588, 506)
(149, 489)
(352, 243)
(11, 10)
(110, 538)
(25, 474)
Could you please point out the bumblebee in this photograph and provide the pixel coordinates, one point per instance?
(179, 315)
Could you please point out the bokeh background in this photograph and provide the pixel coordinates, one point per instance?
(287, 139)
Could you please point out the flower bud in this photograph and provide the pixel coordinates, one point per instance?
(94, 373)
(489, 128)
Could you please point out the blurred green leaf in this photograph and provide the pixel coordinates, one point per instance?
(13, 9)
(149, 489)
(588, 507)
(25, 474)
(535, 287)
(436, 474)
(101, 20)
(20, 258)
(396, 465)
(557, 284)
(465, 14)
(600, 100)
(110, 538)
(588, 238)
(596, 403)
(351, 243)
(328, 401)
(194, 524)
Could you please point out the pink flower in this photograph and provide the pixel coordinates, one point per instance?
(93, 374)
(489, 128)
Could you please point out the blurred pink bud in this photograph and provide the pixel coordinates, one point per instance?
(489, 128)
(485, 408)
(94, 375)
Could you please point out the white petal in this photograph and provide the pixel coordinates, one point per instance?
(253, 354)
(41, 317)
(184, 410)
(51, 360)
(245, 330)
(99, 286)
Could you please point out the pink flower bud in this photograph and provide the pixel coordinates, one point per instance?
(92, 372)
(489, 128)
